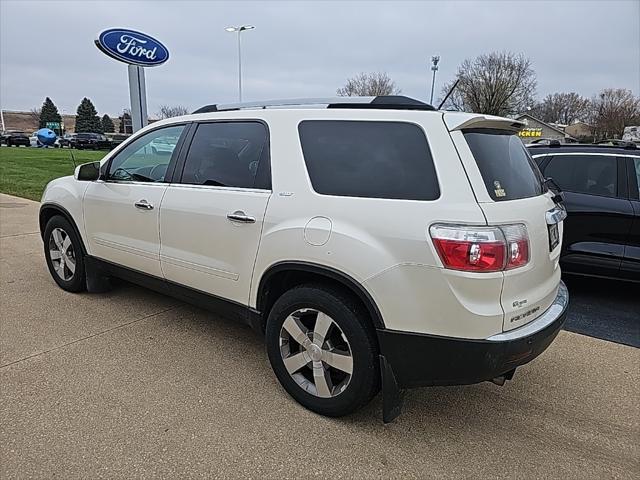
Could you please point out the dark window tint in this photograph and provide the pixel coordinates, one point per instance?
(636, 163)
(369, 159)
(233, 154)
(591, 174)
(507, 169)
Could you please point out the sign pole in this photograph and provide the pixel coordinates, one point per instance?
(138, 96)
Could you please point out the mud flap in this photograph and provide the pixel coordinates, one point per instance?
(97, 282)
(392, 395)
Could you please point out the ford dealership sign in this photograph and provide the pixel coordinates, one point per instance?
(132, 47)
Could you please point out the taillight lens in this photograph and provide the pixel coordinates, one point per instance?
(517, 243)
(481, 249)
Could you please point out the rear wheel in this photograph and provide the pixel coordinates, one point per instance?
(63, 252)
(323, 350)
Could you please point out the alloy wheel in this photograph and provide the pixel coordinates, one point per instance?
(62, 255)
(316, 353)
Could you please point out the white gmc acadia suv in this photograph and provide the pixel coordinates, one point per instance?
(375, 242)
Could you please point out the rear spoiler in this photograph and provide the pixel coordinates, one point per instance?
(462, 121)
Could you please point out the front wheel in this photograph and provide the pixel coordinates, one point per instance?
(63, 252)
(323, 350)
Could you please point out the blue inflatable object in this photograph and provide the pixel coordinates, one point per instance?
(46, 137)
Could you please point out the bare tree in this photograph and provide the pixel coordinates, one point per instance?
(167, 111)
(496, 84)
(35, 113)
(369, 85)
(612, 110)
(564, 108)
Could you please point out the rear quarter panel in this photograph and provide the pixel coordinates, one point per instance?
(383, 244)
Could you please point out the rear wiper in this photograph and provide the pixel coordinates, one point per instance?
(551, 184)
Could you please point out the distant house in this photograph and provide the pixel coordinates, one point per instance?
(580, 130)
(536, 129)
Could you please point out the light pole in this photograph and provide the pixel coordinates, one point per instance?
(239, 30)
(434, 67)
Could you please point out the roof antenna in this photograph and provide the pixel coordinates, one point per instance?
(448, 93)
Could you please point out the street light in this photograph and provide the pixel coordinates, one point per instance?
(434, 67)
(239, 30)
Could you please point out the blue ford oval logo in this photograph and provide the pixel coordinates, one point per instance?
(132, 47)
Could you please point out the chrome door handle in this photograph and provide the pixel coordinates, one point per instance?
(143, 205)
(240, 216)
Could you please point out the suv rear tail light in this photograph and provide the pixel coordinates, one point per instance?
(517, 243)
(481, 249)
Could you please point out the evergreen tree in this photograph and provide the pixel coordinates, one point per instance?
(49, 113)
(87, 120)
(107, 124)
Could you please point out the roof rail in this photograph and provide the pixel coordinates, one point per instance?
(394, 102)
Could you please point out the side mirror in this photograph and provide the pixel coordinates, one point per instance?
(87, 172)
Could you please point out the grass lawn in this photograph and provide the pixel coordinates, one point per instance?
(24, 172)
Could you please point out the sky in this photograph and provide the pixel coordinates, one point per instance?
(305, 48)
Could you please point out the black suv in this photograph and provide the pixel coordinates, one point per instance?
(93, 141)
(600, 185)
(15, 139)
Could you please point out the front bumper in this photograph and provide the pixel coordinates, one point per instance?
(420, 360)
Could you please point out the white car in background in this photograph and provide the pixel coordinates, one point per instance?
(374, 243)
(34, 142)
(163, 145)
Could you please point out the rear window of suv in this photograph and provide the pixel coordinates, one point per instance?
(369, 159)
(508, 171)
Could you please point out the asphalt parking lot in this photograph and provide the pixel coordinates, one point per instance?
(134, 384)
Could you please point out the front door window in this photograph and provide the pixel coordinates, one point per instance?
(147, 158)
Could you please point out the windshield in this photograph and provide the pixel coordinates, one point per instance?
(508, 171)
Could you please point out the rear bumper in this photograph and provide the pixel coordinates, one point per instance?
(420, 360)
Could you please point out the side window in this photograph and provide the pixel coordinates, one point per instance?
(147, 158)
(636, 162)
(369, 159)
(229, 154)
(590, 174)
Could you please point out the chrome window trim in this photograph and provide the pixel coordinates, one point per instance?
(219, 188)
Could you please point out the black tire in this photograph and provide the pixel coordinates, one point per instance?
(77, 281)
(354, 323)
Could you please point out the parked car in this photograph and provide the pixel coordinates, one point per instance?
(600, 189)
(116, 139)
(35, 142)
(92, 141)
(163, 146)
(65, 140)
(374, 243)
(15, 138)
